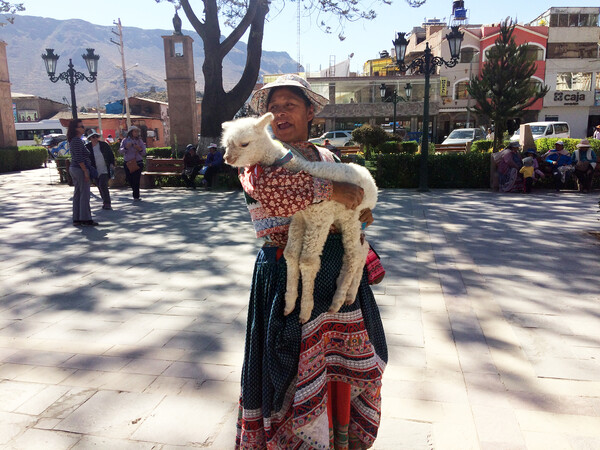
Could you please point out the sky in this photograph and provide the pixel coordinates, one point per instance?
(363, 39)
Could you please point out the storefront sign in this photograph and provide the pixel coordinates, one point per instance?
(444, 86)
(571, 98)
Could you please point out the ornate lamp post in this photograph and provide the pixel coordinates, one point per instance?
(71, 76)
(395, 98)
(426, 64)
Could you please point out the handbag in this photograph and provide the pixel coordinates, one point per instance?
(132, 165)
(582, 166)
(375, 270)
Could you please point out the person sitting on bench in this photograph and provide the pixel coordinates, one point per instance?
(191, 166)
(214, 162)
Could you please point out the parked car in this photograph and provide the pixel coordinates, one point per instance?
(464, 135)
(546, 130)
(337, 138)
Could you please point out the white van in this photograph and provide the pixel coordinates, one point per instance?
(546, 130)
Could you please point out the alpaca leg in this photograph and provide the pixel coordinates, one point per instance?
(351, 295)
(292, 252)
(352, 252)
(310, 263)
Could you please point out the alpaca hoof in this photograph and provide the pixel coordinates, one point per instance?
(287, 311)
(304, 318)
(333, 309)
(349, 300)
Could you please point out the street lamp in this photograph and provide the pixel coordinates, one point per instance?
(426, 64)
(71, 76)
(395, 98)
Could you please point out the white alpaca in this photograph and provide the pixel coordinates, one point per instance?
(247, 142)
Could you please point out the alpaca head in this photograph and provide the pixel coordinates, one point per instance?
(246, 140)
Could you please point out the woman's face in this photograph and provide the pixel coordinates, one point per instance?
(135, 134)
(80, 129)
(291, 115)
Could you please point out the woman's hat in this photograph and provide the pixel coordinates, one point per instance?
(259, 100)
(93, 133)
(584, 143)
(531, 150)
(513, 144)
(212, 145)
(131, 128)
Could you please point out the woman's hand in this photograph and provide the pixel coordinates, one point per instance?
(366, 217)
(348, 194)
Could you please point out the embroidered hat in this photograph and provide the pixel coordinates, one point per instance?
(259, 100)
(584, 143)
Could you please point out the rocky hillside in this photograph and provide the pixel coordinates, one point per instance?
(29, 36)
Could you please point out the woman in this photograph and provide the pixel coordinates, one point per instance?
(297, 379)
(584, 161)
(102, 159)
(508, 162)
(133, 149)
(80, 173)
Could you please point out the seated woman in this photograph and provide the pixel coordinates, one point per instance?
(560, 161)
(584, 160)
(508, 162)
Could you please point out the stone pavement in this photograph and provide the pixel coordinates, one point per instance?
(130, 335)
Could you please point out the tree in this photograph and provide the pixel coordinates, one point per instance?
(11, 8)
(504, 89)
(219, 106)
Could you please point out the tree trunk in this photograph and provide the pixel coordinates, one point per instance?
(219, 106)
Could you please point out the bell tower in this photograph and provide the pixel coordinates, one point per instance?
(181, 89)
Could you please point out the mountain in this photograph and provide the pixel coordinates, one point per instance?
(29, 36)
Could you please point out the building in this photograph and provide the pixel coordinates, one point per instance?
(31, 108)
(572, 68)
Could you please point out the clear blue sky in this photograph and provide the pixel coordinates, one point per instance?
(364, 39)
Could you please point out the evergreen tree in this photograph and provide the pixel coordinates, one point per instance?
(504, 90)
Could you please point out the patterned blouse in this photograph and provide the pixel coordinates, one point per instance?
(274, 194)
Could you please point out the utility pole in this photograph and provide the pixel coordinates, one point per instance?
(120, 44)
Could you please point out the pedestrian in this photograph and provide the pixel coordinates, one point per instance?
(79, 169)
(490, 135)
(214, 163)
(191, 166)
(133, 150)
(560, 163)
(103, 160)
(332, 148)
(110, 139)
(316, 385)
(597, 132)
(584, 161)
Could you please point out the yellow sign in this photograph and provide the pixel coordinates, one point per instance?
(443, 87)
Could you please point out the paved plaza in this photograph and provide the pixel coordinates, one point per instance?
(130, 335)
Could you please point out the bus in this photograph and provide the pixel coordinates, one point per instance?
(27, 130)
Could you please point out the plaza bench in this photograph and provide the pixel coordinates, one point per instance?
(451, 148)
(160, 167)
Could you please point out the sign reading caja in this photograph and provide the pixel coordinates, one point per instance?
(569, 98)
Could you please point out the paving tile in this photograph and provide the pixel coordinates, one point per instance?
(182, 420)
(111, 414)
(12, 425)
(15, 393)
(46, 439)
(42, 400)
(97, 442)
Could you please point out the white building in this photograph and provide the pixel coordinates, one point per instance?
(572, 68)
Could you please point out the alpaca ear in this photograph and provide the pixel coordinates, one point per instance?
(265, 120)
(225, 125)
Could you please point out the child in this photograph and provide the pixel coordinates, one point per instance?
(536, 167)
(528, 171)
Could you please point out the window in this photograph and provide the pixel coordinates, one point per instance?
(574, 20)
(573, 81)
(178, 48)
(551, 118)
(535, 53)
(561, 128)
(536, 85)
(468, 55)
(460, 90)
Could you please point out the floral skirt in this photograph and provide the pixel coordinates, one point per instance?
(315, 385)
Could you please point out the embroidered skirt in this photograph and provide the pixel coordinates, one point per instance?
(289, 368)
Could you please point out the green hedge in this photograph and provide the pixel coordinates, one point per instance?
(470, 170)
(22, 158)
(482, 146)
